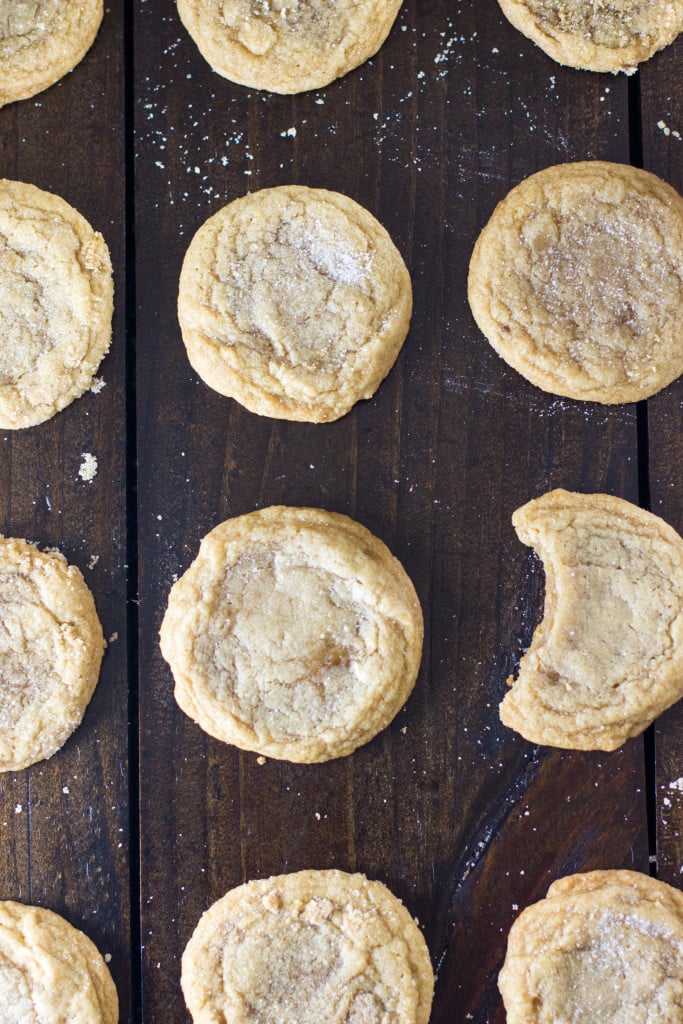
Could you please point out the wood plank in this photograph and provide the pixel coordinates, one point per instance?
(662, 135)
(455, 109)
(65, 821)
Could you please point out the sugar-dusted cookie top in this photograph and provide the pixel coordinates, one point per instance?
(51, 973)
(51, 647)
(294, 301)
(608, 35)
(287, 46)
(56, 301)
(605, 946)
(315, 947)
(295, 633)
(577, 281)
(40, 40)
(607, 657)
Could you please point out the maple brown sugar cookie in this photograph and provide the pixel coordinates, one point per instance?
(611, 35)
(607, 658)
(603, 946)
(51, 973)
(41, 41)
(295, 633)
(56, 302)
(295, 302)
(577, 281)
(287, 46)
(315, 947)
(51, 647)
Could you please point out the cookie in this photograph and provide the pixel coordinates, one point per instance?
(576, 281)
(50, 972)
(607, 657)
(41, 41)
(610, 35)
(295, 302)
(295, 633)
(51, 647)
(315, 947)
(56, 300)
(604, 946)
(287, 46)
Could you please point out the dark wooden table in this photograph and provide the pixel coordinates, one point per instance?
(142, 821)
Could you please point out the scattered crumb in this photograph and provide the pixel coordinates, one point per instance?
(18, 809)
(404, 729)
(664, 127)
(65, 790)
(97, 385)
(113, 638)
(107, 958)
(317, 815)
(261, 759)
(88, 468)
(289, 133)
(94, 559)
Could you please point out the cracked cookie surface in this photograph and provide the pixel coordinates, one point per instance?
(602, 946)
(607, 658)
(56, 302)
(287, 46)
(577, 281)
(51, 647)
(295, 633)
(314, 947)
(607, 35)
(41, 40)
(295, 302)
(51, 973)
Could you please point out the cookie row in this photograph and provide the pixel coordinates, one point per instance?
(326, 947)
(290, 46)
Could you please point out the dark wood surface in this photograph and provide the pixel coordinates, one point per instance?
(463, 819)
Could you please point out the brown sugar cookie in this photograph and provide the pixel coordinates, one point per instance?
(51, 647)
(576, 281)
(610, 35)
(56, 301)
(605, 946)
(295, 302)
(607, 658)
(51, 973)
(287, 46)
(295, 633)
(41, 41)
(315, 947)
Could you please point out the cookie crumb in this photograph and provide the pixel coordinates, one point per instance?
(88, 468)
(94, 559)
(66, 790)
(97, 384)
(260, 760)
(289, 133)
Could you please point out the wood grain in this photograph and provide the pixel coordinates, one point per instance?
(65, 821)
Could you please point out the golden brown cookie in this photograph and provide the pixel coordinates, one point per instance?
(607, 657)
(41, 40)
(295, 633)
(315, 947)
(576, 281)
(51, 647)
(56, 300)
(51, 973)
(604, 947)
(294, 301)
(287, 46)
(597, 35)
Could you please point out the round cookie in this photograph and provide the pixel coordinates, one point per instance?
(287, 46)
(295, 633)
(295, 302)
(315, 947)
(616, 35)
(576, 281)
(604, 946)
(56, 301)
(41, 41)
(50, 972)
(607, 658)
(51, 647)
